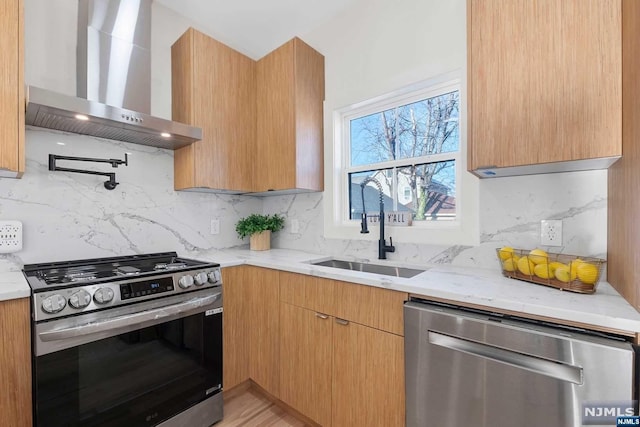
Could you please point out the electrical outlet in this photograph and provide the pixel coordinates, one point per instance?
(10, 236)
(551, 232)
(295, 226)
(215, 226)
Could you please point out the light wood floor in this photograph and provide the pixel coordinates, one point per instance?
(252, 409)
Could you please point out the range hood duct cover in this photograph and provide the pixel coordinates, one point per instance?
(113, 81)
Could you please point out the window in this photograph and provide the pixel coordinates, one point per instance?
(410, 145)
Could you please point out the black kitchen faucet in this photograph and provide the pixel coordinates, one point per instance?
(383, 248)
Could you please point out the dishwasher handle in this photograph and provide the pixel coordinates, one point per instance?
(564, 372)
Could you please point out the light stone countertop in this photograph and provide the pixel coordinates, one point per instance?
(485, 287)
(13, 285)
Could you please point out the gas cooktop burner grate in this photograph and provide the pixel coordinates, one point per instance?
(81, 272)
(171, 266)
(83, 275)
(127, 270)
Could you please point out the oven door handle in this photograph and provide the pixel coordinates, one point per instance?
(133, 321)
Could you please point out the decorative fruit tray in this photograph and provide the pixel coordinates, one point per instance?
(563, 271)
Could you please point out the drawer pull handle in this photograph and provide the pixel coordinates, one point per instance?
(322, 316)
(342, 321)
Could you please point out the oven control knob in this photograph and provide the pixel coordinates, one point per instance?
(200, 278)
(53, 304)
(80, 299)
(214, 276)
(185, 281)
(103, 295)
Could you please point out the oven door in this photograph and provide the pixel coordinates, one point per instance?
(133, 366)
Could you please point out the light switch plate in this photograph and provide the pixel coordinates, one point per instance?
(551, 232)
(10, 236)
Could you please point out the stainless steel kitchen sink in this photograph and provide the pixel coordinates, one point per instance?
(386, 270)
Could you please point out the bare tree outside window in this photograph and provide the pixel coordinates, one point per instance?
(413, 132)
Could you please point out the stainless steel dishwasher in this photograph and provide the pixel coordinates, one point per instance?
(466, 367)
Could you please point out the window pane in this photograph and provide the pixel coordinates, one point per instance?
(433, 190)
(371, 192)
(425, 127)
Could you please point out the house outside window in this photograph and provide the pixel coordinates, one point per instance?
(411, 146)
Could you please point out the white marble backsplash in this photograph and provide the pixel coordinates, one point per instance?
(510, 213)
(72, 216)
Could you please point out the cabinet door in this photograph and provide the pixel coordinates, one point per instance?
(213, 87)
(236, 328)
(264, 323)
(290, 93)
(11, 89)
(368, 377)
(305, 356)
(15, 363)
(544, 81)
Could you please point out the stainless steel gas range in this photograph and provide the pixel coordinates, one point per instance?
(127, 341)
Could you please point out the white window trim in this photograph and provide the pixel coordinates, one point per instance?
(461, 231)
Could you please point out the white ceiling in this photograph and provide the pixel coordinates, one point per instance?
(256, 27)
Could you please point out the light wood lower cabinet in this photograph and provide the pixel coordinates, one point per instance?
(368, 377)
(15, 363)
(235, 327)
(336, 371)
(264, 325)
(305, 357)
(251, 327)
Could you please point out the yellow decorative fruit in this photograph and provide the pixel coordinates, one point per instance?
(505, 253)
(563, 274)
(509, 265)
(538, 256)
(542, 271)
(554, 265)
(587, 273)
(574, 267)
(525, 265)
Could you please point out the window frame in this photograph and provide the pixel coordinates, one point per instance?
(384, 104)
(464, 230)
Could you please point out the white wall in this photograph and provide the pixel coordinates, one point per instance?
(377, 47)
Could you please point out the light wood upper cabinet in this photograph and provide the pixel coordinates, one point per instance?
(544, 85)
(623, 207)
(262, 126)
(12, 102)
(15, 363)
(214, 87)
(290, 93)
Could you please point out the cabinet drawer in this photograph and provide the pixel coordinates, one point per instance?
(305, 291)
(370, 306)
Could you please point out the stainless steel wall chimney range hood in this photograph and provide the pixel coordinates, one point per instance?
(113, 81)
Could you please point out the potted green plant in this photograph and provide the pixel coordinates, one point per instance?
(259, 228)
